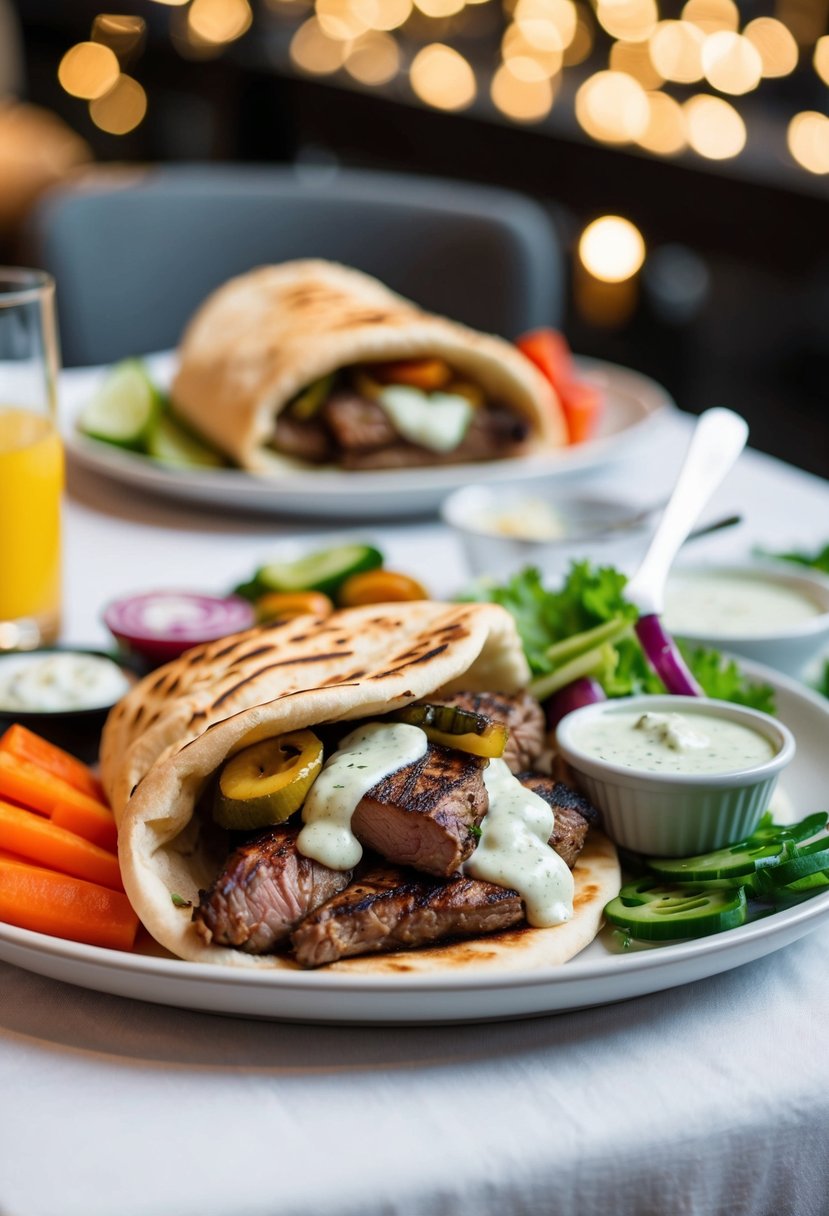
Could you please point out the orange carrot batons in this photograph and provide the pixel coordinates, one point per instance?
(48, 902)
(26, 745)
(45, 843)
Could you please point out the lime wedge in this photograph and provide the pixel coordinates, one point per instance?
(171, 443)
(124, 408)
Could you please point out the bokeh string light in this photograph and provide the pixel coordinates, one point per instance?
(661, 76)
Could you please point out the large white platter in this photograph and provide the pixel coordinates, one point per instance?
(634, 404)
(598, 976)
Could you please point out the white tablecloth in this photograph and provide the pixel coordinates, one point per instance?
(708, 1098)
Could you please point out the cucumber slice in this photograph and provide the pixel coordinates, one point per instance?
(171, 443)
(451, 726)
(125, 408)
(766, 846)
(323, 571)
(308, 403)
(665, 912)
(267, 782)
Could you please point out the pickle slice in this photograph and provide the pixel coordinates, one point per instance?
(268, 781)
(451, 726)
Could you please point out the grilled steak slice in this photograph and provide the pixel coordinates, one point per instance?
(392, 909)
(573, 814)
(493, 433)
(263, 892)
(520, 713)
(356, 423)
(304, 439)
(424, 814)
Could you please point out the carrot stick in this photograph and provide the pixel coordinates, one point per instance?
(43, 842)
(26, 745)
(90, 819)
(48, 902)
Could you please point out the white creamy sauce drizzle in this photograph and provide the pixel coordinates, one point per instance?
(365, 757)
(437, 421)
(734, 607)
(513, 850)
(669, 743)
(62, 681)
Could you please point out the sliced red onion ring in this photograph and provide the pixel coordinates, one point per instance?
(160, 625)
(662, 653)
(585, 691)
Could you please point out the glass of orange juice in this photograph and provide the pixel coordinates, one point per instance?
(31, 462)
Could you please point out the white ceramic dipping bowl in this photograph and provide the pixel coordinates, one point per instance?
(753, 609)
(504, 528)
(676, 814)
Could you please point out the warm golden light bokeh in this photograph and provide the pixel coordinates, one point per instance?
(532, 53)
(374, 59)
(313, 51)
(712, 15)
(777, 48)
(561, 14)
(88, 70)
(731, 63)
(676, 51)
(715, 129)
(383, 14)
(339, 19)
(219, 21)
(121, 109)
(808, 140)
(821, 58)
(634, 58)
(582, 45)
(521, 100)
(612, 249)
(630, 20)
(442, 78)
(665, 133)
(612, 107)
(439, 8)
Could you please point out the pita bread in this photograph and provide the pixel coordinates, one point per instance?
(403, 653)
(264, 336)
(364, 659)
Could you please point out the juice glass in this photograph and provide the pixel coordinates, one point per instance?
(31, 462)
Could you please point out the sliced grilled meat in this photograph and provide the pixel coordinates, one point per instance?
(263, 892)
(306, 440)
(493, 433)
(392, 909)
(519, 712)
(573, 814)
(356, 423)
(424, 814)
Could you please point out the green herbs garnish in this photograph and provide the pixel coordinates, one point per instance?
(180, 901)
(819, 560)
(476, 831)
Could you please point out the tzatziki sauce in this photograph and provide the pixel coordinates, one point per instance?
(61, 681)
(734, 606)
(672, 742)
(364, 757)
(513, 851)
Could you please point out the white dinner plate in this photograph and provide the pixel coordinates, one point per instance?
(598, 976)
(633, 405)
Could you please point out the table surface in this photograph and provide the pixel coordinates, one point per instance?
(708, 1098)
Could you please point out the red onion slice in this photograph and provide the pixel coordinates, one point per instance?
(163, 624)
(585, 691)
(662, 653)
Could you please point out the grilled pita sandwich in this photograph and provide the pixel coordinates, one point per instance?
(310, 363)
(357, 666)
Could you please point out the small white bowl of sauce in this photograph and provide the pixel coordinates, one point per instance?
(774, 612)
(504, 528)
(673, 776)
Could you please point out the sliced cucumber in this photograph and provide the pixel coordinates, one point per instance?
(323, 571)
(451, 726)
(766, 847)
(125, 408)
(662, 912)
(171, 443)
(268, 781)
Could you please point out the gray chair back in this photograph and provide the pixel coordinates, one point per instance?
(135, 253)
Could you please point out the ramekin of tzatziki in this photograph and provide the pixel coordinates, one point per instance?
(674, 776)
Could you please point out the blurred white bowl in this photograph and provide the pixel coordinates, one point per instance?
(774, 612)
(505, 528)
(675, 814)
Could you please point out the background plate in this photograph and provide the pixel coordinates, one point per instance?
(598, 976)
(634, 403)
